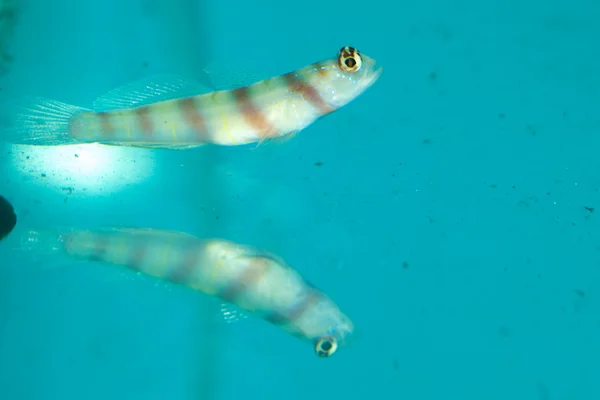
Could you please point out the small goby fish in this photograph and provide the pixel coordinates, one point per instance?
(175, 113)
(257, 282)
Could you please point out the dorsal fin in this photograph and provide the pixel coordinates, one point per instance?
(225, 77)
(149, 90)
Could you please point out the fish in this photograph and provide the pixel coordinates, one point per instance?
(173, 112)
(251, 281)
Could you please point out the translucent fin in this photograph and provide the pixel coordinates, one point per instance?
(231, 313)
(151, 232)
(176, 146)
(277, 140)
(224, 77)
(40, 241)
(285, 138)
(43, 248)
(49, 241)
(173, 146)
(149, 90)
(39, 121)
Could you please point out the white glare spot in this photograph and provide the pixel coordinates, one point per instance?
(83, 169)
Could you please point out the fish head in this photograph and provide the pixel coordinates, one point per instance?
(337, 336)
(332, 328)
(341, 79)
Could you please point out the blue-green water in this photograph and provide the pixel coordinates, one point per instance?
(451, 211)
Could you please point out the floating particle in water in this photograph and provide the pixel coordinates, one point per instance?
(504, 332)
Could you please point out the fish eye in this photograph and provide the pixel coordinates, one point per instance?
(326, 346)
(349, 59)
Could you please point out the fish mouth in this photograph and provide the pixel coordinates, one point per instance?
(377, 73)
(371, 78)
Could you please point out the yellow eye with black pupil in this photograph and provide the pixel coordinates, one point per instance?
(326, 346)
(349, 59)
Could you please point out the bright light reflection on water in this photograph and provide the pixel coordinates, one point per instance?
(90, 169)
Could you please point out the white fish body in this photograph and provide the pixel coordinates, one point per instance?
(258, 283)
(172, 112)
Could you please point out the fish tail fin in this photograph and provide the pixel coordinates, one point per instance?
(38, 248)
(39, 121)
(41, 242)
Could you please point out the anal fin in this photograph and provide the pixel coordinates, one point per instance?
(154, 146)
(285, 138)
(277, 139)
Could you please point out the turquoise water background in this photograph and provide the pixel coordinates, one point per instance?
(452, 210)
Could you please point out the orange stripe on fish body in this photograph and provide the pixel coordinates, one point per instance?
(242, 288)
(193, 117)
(144, 115)
(253, 112)
(183, 272)
(297, 84)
